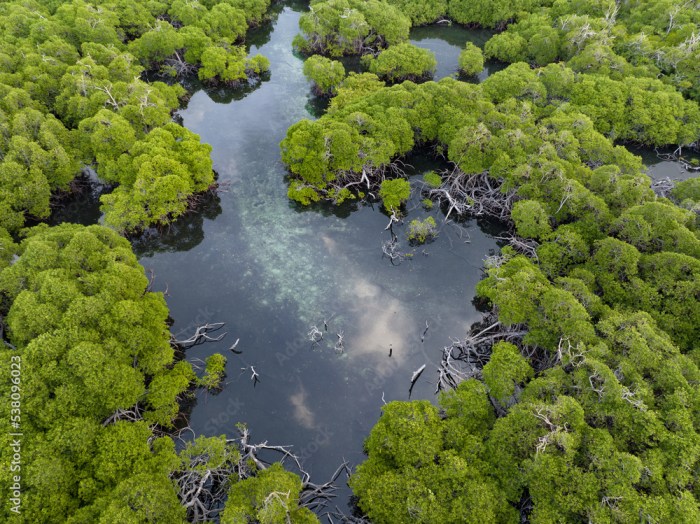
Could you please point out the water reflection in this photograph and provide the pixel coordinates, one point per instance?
(301, 410)
(226, 95)
(82, 204)
(184, 234)
(273, 270)
(447, 41)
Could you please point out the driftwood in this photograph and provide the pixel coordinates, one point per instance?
(326, 321)
(425, 331)
(416, 375)
(315, 335)
(676, 156)
(200, 336)
(233, 349)
(254, 376)
(664, 186)
(391, 250)
(340, 343)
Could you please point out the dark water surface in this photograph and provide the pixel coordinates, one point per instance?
(271, 270)
(659, 167)
(447, 41)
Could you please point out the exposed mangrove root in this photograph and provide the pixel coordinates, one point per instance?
(316, 496)
(464, 359)
(474, 195)
(177, 64)
(132, 414)
(676, 156)
(338, 517)
(203, 486)
(663, 187)
(367, 181)
(540, 358)
(316, 44)
(526, 246)
(393, 219)
(370, 178)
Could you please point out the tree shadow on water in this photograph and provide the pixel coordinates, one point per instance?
(183, 234)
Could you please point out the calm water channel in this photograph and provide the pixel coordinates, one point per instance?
(271, 271)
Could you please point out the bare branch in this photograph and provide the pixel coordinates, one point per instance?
(200, 336)
(474, 195)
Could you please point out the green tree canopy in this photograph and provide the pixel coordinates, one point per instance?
(325, 74)
(402, 62)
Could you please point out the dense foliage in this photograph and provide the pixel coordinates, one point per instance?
(589, 413)
(646, 39)
(421, 11)
(71, 96)
(402, 62)
(325, 74)
(100, 384)
(342, 27)
(420, 232)
(503, 122)
(394, 193)
(92, 341)
(471, 60)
